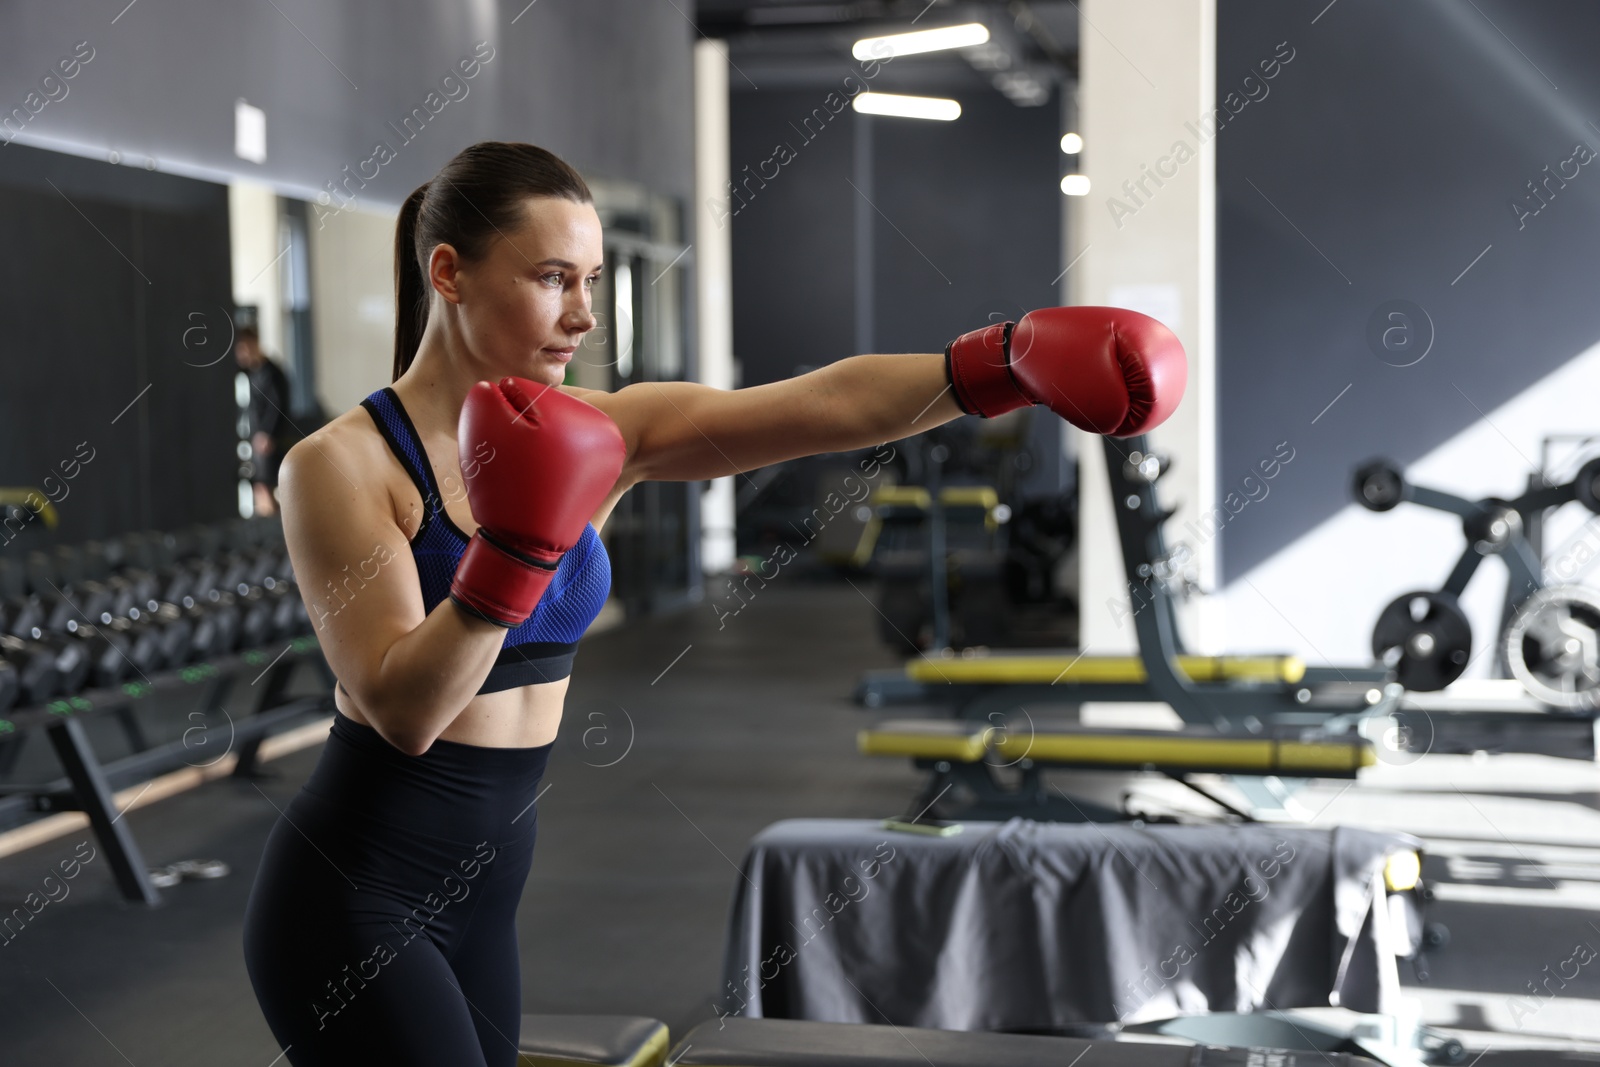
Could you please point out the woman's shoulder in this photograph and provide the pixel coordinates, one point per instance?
(592, 396)
(347, 448)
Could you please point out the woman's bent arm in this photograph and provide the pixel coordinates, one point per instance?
(410, 672)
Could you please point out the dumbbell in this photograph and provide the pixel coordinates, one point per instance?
(31, 668)
(10, 685)
(72, 616)
(137, 616)
(110, 652)
(135, 592)
(220, 605)
(141, 643)
(256, 626)
(47, 665)
(183, 590)
(222, 617)
(38, 677)
(84, 601)
(269, 604)
(19, 615)
(289, 616)
(70, 655)
(252, 567)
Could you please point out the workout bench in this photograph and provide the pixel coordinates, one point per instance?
(603, 1040)
(958, 753)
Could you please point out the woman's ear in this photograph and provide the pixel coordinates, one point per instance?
(444, 272)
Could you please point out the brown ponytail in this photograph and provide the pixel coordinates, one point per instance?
(410, 287)
(478, 195)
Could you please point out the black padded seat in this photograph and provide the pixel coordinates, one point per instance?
(611, 1040)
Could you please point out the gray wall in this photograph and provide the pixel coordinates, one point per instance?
(605, 83)
(962, 228)
(1391, 149)
(794, 268)
(964, 221)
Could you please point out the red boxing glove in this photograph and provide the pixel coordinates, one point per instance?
(537, 463)
(1105, 370)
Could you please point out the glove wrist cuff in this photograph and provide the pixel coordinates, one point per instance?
(498, 583)
(978, 365)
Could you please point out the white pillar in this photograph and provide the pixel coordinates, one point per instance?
(1147, 235)
(254, 244)
(714, 272)
(352, 276)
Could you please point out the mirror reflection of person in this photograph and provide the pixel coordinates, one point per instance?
(269, 399)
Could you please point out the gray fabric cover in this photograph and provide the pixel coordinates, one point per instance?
(1043, 926)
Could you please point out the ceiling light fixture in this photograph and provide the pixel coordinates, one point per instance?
(907, 107)
(909, 44)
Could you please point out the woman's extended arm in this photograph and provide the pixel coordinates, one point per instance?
(682, 431)
(1105, 370)
(410, 672)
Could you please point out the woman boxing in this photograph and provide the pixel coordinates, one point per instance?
(445, 538)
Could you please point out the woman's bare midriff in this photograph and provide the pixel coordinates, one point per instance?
(525, 717)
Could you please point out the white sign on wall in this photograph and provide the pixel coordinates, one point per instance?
(249, 132)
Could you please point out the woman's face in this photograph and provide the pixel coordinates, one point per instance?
(525, 304)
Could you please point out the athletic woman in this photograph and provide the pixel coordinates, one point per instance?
(445, 538)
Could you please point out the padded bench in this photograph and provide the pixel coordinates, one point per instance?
(1057, 667)
(736, 1042)
(1191, 750)
(977, 683)
(574, 1040)
(958, 752)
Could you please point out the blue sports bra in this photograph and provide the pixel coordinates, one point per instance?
(542, 648)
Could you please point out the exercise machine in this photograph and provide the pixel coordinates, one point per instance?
(1549, 633)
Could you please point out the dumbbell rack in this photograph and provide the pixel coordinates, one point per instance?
(89, 785)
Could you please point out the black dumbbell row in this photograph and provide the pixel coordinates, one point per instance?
(97, 615)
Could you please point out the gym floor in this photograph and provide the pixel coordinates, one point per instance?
(626, 908)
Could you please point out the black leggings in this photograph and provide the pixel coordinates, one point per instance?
(382, 924)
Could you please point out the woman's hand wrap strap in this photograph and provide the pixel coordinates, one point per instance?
(499, 584)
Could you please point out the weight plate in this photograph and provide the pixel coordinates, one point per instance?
(1586, 485)
(1553, 646)
(1378, 486)
(1425, 638)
